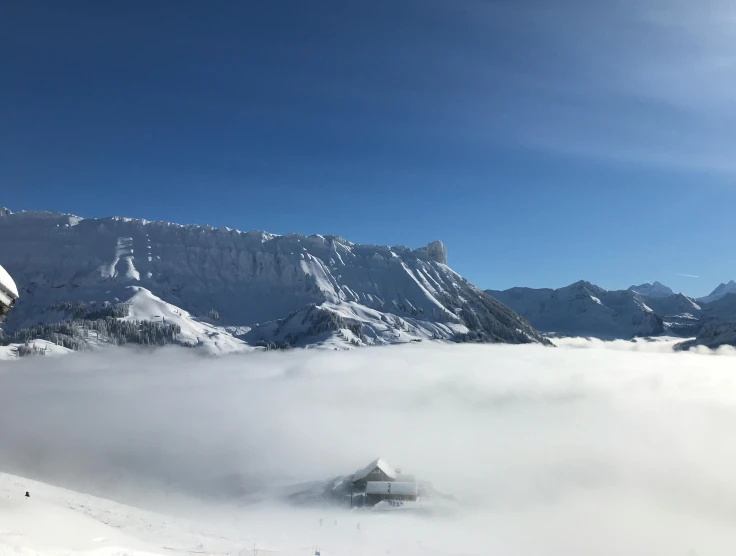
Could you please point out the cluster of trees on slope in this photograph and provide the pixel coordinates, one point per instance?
(83, 311)
(78, 334)
(28, 349)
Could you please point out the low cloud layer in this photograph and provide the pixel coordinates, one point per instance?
(528, 435)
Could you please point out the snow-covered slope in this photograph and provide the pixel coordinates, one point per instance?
(657, 289)
(55, 521)
(260, 287)
(719, 292)
(213, 339)
(35, 347)
(583, 309)
(672, 305)
(681, 314)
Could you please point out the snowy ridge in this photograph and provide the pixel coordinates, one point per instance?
(263, 287)
(720, 291)
(676, 304)
(214, 340)
(584, 309)
(657, 289)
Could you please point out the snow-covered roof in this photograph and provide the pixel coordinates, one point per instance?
(7, 284)
(378, 463)
(391, 487)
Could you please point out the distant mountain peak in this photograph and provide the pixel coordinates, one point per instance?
(656, 289)
(584, 285)
(720, 291)
(583, 309)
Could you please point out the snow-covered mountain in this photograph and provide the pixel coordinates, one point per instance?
(675, 304)
(720, 291)
(583, 309)
(682, 315)
(657, 289)
(226, 289)
(712, 335)
(722, 309)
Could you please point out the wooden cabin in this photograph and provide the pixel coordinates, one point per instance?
(379, 481)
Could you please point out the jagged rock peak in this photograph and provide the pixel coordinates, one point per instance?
(656, 289)
(435, 251)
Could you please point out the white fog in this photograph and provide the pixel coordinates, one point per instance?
(547, 450)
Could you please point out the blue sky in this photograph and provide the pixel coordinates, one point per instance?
(542, 142)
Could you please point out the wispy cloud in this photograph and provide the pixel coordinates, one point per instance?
(636, 82)
(687, 275)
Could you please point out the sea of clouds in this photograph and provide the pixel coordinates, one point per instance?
(549, 450)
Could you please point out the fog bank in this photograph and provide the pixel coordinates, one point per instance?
(596, 440)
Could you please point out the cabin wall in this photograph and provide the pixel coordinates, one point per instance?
(373, 499)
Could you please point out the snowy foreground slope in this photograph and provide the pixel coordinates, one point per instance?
(225, 290)
(59, 522)
(55, 521)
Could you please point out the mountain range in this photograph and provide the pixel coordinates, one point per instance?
(90, 281)
(584, 309)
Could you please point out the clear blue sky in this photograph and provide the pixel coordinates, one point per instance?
(543, 142)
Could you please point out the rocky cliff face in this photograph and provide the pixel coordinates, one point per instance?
(248, 279)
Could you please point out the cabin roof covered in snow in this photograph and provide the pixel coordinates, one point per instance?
(378, 463)
(7, 284)
(398, 488)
